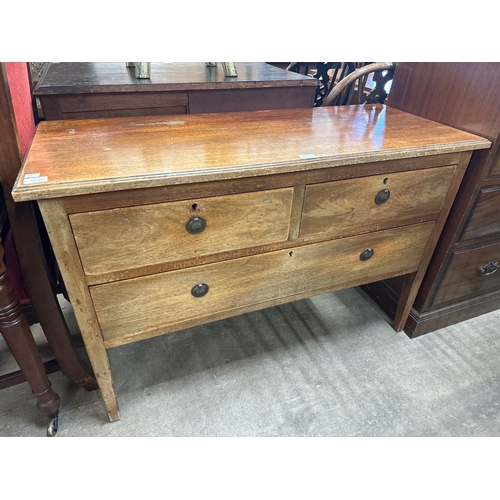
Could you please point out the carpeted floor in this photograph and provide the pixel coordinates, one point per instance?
(326, 366)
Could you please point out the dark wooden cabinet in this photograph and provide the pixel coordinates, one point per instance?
(101, 90)
(463, 279)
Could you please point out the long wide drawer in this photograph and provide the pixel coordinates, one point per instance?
(124, 238)
(370, 203)
(169, 301)
(469, 274)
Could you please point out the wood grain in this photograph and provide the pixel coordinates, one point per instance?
(90, 156)
(98, 77)
(339, 208)
(153, 234)
(161, 303)
(495, 169)
(462, 279)
(485, 218)
(135, 197)
(66, 254)
(412, 286)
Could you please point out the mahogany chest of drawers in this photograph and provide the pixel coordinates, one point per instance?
(463, 279)
(162, 223)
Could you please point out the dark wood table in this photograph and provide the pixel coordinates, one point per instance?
(99, 90)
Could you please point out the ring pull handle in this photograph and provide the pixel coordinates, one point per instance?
(196, 225)
(366, 254)
(382, 196)
(199, 290)
(488, 269)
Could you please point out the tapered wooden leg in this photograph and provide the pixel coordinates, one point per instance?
(61, 236)
(15, 329)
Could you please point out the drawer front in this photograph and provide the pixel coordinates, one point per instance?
(495, 168)
(485, 219)
(125, 238)
(470, 274)
(164, 302)
(349, 206)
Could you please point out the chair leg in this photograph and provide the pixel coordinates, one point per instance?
(15, 330)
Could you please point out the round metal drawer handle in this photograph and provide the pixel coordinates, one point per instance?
(382, 196)
(366, 254)
(199, 290)
(196, 225)
(488, 269)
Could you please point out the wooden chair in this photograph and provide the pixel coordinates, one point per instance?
(343, 83)
(355, 89)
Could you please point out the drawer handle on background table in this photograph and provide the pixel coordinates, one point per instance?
(382, 196)
(196, 225)
(488, 269)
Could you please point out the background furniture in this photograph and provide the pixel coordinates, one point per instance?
(15, 330)
(34, 284)
(99, 90)
(345, 83)
(283, 205)
(463, 279)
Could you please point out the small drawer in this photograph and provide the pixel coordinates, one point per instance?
(469, 274)
(346, 207)
(169, 301)
(495, 168)
(125, 238)
(485, 219)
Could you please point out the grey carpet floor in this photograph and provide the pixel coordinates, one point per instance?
(326, 366)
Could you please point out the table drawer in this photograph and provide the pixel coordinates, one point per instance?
(125, 238)
(469, 274)
(485, 219)
(159, 303)
(359, 205)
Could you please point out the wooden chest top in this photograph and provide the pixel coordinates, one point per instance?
(90, 156)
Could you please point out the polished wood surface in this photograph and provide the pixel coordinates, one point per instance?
(93, 175)
(104, 90)
(485, 218)
(495, 168)
(463, 278)
(104, 77)
(459, 94)
(465, 96)
(99, 155)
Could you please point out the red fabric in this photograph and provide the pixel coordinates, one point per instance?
(19, 85)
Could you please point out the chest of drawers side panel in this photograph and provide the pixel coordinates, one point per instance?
(63, 244)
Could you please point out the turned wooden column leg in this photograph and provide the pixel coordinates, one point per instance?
(15, 329)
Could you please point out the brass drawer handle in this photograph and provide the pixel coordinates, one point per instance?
(196, 225)
(382, 196)
(199, 290)
(488, 269)
(366, 254)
